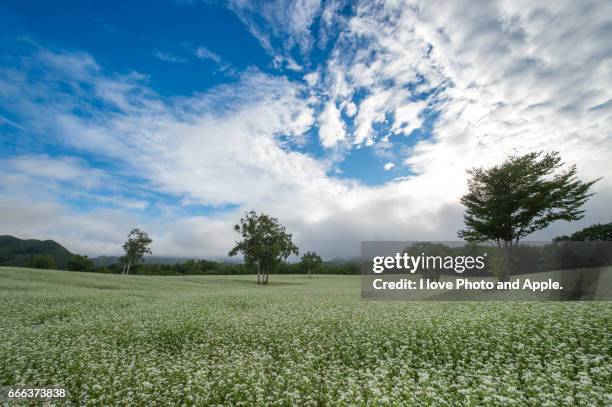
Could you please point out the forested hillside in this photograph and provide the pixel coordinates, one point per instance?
(18, 252)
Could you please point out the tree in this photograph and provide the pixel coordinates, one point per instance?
(310, 261)
(594, 233)
(522, 195)
(264, 244)
(81, 263)
(438, 250)
(135, 248)
(41, 262)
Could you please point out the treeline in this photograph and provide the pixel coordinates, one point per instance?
(209, 267)
(563, 253)
(527, 258)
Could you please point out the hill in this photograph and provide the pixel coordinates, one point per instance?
(17, 252)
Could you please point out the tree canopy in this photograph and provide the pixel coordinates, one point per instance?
(136, 246)
(524, 194)
(432, 249)
(265, 243)
(310, 261)
(41, 262)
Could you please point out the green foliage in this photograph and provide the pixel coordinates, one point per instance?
(41, 262)
(194, 267)
(265, 243)
(219, 340)
(497, 263)
(524, 194)
(136, 246)
(510, 201)
(431, 249)
(17, 252)
(598, 232)
(81, 263)
(209, 267)
(310, 261)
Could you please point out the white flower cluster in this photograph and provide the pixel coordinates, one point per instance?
(223, 340)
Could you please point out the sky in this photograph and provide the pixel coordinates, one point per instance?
(347, 121)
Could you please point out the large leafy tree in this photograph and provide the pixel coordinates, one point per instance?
(522, 195)
(310, 261)
(264, 244)
(136, 246)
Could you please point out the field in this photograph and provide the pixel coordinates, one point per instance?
(223, 340)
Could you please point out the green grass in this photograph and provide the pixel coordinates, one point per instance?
(223, 340)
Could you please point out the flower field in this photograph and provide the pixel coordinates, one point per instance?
(223, 340)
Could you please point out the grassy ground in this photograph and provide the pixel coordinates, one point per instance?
(223, 340)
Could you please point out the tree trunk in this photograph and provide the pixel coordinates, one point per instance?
(309, 274)
(507, 260)
(128, 267)
(266, 274)
(258, 274)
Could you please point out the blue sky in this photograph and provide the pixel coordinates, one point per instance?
(124, 38)
(347, 120)
(183, 48)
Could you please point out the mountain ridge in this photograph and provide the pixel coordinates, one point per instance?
(18, 252)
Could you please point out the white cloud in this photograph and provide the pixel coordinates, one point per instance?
(311, 78)
(331, 127)
(238, 142)
(375, 108)
(205, 53)
(78, 65)
(284, 21)
(168, 57)
(407, 117)
(350, 108)
(389, 166)
(94, 233)
(47, 169)
(503, 77)
(41, 178)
